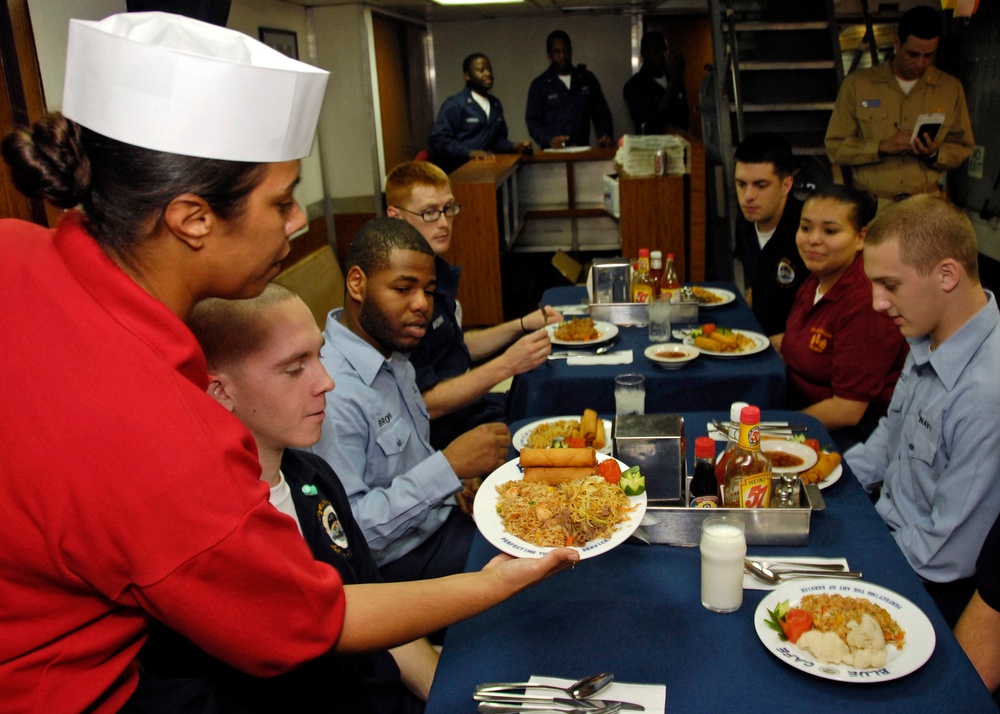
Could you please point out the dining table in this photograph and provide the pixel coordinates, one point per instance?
(558, 387)
(636, 611)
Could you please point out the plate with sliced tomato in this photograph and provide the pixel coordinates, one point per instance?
(520, 438)
(915, 635)
(491, 525)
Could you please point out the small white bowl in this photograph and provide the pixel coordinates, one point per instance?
(771, 447)
(653, 353)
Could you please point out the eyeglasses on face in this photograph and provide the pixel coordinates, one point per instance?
(432, 214)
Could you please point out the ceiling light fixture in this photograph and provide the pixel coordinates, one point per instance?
(476, 2)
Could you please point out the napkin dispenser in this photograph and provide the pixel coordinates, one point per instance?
(654, 442)
(610, 280)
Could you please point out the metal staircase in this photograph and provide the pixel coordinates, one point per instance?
(778, 67)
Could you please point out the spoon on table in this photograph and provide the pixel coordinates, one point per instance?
(766, 576)
(779, 566)
(496, 708)
(586, 687)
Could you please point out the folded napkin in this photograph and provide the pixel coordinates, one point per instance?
(620, 357)
(572, 310)
(652, 696)
(752, 583)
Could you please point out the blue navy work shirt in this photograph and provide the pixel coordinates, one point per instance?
(554, 110)
(462, 126)
(937, 452)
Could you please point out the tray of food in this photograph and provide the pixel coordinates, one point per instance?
(845, 630)
(550, 498)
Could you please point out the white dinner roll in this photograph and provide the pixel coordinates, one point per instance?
(169, 83)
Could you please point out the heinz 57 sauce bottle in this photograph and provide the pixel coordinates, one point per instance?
(748, 471)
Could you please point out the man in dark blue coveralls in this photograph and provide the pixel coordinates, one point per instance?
(563, 100)
(470, 124)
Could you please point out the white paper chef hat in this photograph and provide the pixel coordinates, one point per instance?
(173, 84)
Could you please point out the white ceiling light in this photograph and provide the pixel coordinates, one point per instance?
(476, 2)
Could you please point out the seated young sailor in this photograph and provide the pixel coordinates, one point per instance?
(263, 361)
(936, 454)
(376, 431)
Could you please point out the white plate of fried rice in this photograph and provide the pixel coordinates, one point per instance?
(916, 649)
(523, 435)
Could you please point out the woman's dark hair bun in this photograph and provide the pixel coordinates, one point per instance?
(49, 161)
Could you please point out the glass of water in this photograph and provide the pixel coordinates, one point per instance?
(630, 394)
(659, 318)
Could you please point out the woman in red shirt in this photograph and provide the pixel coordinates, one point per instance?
(843, 358)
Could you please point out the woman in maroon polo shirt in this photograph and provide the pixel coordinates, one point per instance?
(842, 357)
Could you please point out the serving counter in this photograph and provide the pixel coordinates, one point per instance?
(636, 611)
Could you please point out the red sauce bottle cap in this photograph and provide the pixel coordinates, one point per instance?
(750, 415)
(704, 447)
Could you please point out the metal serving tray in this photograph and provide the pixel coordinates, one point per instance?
(764, 526)
(636, 314)
(621, 313)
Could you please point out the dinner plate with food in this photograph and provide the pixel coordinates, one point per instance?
(581, 332)
(550, 498)
(725, 342)
(712, 297)
(846, 630)
(565, 432)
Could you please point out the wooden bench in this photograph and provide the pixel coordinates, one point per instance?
(318, 280)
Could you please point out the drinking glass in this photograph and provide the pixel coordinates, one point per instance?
(630, 394)
(723, 548)
(659, 318)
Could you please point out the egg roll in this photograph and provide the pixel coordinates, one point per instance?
(553, 476)
(588, 425)
(707, 343)
(601, 438)
(558, 458)
(729, 340)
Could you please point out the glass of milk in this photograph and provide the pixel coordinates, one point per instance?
(630, 394)
(723, 548)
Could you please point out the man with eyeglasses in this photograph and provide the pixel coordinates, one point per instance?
(456, 393)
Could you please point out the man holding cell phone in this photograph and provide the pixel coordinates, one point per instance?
(901, 125)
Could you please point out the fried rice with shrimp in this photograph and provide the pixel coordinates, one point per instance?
(571, 513)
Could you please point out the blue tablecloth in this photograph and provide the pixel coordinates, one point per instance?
(707, 383)
(636, 612)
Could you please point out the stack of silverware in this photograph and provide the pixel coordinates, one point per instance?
(522, 697)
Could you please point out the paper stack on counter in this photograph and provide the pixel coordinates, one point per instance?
(637, 154)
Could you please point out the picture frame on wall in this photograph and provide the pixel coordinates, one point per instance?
(285, 41)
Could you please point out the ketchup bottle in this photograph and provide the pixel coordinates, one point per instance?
(669, 283)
